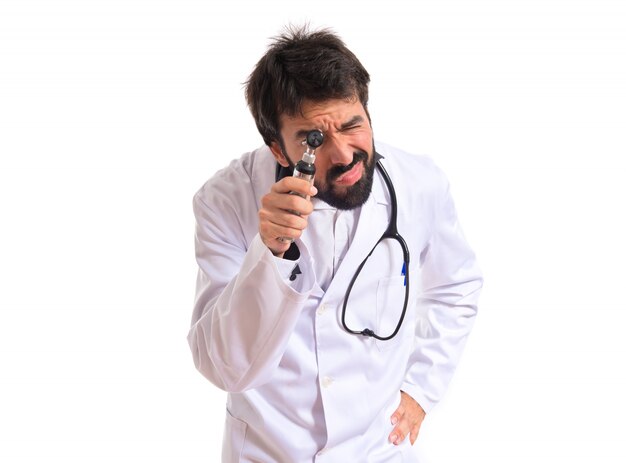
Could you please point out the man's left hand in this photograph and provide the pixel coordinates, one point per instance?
(407, 419)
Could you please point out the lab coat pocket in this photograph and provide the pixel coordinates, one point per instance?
(234, 439)
(389, 305)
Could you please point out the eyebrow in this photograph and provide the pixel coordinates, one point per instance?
(354, 121)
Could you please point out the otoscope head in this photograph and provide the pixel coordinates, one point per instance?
(314, 138)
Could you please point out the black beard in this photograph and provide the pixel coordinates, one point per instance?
(353, 196)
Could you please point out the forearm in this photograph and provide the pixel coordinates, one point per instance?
(240, 332)
(450, 285)
(448, 317)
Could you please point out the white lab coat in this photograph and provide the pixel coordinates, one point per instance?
(301, 388)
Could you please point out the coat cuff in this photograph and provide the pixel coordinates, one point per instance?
(285, 270)
(418, 395)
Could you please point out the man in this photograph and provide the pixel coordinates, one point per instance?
(272, 324)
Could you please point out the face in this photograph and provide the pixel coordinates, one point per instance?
(344, 163)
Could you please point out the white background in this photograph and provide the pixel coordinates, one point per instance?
(113, 113)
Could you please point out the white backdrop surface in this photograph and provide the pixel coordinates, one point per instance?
(113, 113)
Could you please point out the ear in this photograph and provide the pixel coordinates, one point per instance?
(278, 154)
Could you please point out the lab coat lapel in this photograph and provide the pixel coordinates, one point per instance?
(372, 223)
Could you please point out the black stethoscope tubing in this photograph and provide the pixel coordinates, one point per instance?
(390, 233)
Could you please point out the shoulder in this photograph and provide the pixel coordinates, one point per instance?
(411, 170)
(228, 203)
(240, 181)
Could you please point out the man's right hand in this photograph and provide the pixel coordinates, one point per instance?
(285, 215)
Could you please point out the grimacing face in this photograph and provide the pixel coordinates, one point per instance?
(345, 162)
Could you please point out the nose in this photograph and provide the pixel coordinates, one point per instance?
(339, 151)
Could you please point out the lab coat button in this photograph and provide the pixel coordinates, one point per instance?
(327, 381)
(321, 309)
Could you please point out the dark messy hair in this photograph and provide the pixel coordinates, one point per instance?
(302, 65)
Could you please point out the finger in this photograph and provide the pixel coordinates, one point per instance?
(397, 415)
(278, 245)
(296, 185)
(407, 420)
(278, 203)
(283, 226)
(414, 433)
(399, 432)
(285, 219)
(396, 435)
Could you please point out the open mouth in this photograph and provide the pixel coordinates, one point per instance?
(352, 176)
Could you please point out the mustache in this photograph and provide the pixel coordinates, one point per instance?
(336, 171)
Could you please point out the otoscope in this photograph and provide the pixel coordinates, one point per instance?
(305, 168)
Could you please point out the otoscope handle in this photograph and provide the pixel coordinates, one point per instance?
(305, 168)
(305, 171)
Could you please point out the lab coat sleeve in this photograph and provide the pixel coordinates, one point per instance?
(244, 310)
(450, 285)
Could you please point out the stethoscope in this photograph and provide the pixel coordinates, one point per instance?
(313, 140)
(391, 233)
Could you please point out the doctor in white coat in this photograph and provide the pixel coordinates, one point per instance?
(272, 324)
